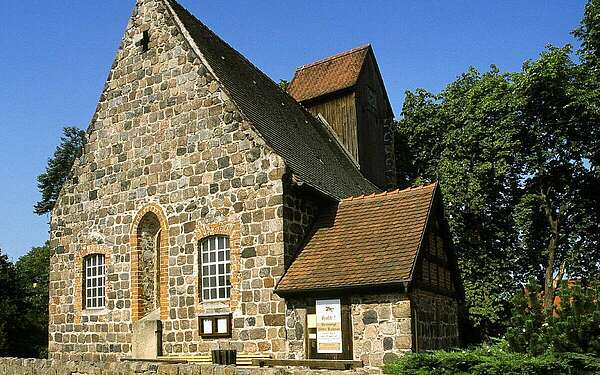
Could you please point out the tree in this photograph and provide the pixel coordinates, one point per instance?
(33, 273)
(588, 33)
(58, 169)
(10, 306)
(517, 158)
(574, 326)
(465, 138)
(283, 84)
(24, 304)
(557, 218)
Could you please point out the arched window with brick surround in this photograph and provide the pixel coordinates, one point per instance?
(149, 262)
(215, 268)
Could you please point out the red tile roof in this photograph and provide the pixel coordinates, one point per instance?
(329, 75)
(364, 241)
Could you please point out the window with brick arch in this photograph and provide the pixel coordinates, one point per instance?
(94, 280)
(215, 268)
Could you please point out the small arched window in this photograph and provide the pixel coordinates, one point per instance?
(215, 268)
(94, 281)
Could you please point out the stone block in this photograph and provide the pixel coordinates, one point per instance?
(370, 317)
(146, 339)
(401, 310)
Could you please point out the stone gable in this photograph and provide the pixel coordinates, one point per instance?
(166, 135)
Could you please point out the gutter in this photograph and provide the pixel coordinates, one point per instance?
(376, 288)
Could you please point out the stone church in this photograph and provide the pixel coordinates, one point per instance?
(211, 209)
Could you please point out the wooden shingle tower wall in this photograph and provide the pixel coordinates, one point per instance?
(347, 91)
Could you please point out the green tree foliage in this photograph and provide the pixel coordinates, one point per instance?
(516, 155)
(58, 169)
(24, 304)
(589, 32)
(283, 84)
(557, 216)
(9, 305)
(589, 35)
(465, 138)
(33, 273)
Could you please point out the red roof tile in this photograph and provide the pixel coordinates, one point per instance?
(363, 241)
(329, 75)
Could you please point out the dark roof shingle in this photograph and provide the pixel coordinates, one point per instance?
(363, 241)
(329, 75)
(307, 147)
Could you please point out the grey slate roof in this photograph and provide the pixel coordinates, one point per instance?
(308, 148)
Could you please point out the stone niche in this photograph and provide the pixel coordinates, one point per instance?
(149, 263)
(147, 332)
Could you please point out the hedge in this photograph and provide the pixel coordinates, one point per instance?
(493, 360)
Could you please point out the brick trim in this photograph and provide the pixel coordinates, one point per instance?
(164, 261)
(232, 230)
(78, 297)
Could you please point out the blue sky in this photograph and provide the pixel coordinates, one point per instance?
(55, 56)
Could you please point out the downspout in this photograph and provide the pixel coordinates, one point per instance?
(415, 322)
(157, 288)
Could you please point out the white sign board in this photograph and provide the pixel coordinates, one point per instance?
(329, 326)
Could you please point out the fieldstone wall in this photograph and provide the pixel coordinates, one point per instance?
(166, 135)
(295, 324)
(382, 328)
(15, 366)
(436, 318)
(300, 210)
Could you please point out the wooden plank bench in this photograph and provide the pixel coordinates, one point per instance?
(310, 363)
(242, 359)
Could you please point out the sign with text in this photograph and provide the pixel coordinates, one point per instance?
(329, 326)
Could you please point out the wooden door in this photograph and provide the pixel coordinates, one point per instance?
(311, 334)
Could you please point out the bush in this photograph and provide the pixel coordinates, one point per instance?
(24, 304)
(492, 360)
(574, 326)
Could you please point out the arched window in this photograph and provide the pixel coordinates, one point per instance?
(215, 268)
(94, 281)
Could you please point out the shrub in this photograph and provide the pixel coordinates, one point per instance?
(574, 326)
(492, 360)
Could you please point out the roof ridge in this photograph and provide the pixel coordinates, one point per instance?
(391, 192)
(333, 57)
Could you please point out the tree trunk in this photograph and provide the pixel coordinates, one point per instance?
(550, 282)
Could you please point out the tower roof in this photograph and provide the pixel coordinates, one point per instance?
(329, 75)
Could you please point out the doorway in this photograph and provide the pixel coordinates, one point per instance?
(327, 350)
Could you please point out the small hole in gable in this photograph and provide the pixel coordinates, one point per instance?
(144, 41)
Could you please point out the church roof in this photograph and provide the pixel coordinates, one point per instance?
(363, 242)
(306, 145)
(326, 76)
